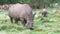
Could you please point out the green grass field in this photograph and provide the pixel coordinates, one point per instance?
(51, 27)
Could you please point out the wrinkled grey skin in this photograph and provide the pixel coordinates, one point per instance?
(22, 12)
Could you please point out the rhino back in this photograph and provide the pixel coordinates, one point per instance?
(19, 10)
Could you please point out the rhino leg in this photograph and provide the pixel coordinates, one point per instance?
(11, 19)
(16, 21)
(24, 22)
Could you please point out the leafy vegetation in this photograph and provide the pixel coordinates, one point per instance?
(36, 3)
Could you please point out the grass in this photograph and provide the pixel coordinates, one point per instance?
(51, 27)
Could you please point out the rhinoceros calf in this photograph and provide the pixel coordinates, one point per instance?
(22, 12)
(44, 13)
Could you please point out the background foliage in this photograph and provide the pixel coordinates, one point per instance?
(36, 3)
